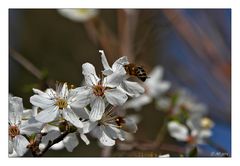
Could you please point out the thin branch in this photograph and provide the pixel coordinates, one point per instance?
(106, 151)
(99, 33)
(161, 134)
(127, 21)
(50, 144)
(26, 64)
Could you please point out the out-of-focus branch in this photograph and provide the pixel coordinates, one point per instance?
(150, 146)
(43, 81)
(99, 33)
(127, 22)
(202, 44)
(161, 134)
(26, 64)
(106, 151)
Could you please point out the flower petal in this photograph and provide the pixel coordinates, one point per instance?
(41, 101)
(81, 98)
(85, 139)
(89, 72)
(48, 115)
(15, 110)
(82, 112)
(137, 103)
(178, 131)
(106, 140)
(58, 146)
(10, 147)
(51, 93)
(70, 142)
(20, 145)
(129, 125)
(41, 93)
(205, 133)
(31, 126)
(64, 91)
(118, 64)
(88, 126)
(98, 108)
(158, 88)
(133, 89)
(70, 116)
(115, 133)
(115, 96)
(29, 113)
(107, 68)
(115, 79)
(156, 74)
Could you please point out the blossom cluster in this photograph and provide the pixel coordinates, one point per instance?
(74, 111)
(188, 121)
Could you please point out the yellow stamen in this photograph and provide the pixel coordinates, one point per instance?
(98, 90)
(13, 131)
(206, 123)
(61, 103)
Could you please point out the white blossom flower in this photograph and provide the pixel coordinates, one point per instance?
(178, 131)
(193, 132)
(99, 90)
(183, 101)
(78, 15)
(154, 87)
(110, 127)
(188, 101)
(200, 128)
(132, 88)
(17, 142)
(60, 103)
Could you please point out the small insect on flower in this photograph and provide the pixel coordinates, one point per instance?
(134, 70)
(132, 88)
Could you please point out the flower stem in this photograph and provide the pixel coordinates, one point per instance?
(161, 134)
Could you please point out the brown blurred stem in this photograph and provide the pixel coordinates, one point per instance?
(106, 151)
(26, 64)
(99, 33)
(127, 21)
(161, 134)
(43, 81)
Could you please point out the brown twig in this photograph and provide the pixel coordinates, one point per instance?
(26, 64)
(55, 141)
(37, 153)
(127, 21)
(106, 151)
(99, 33)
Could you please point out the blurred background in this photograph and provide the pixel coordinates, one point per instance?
(193, 46)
